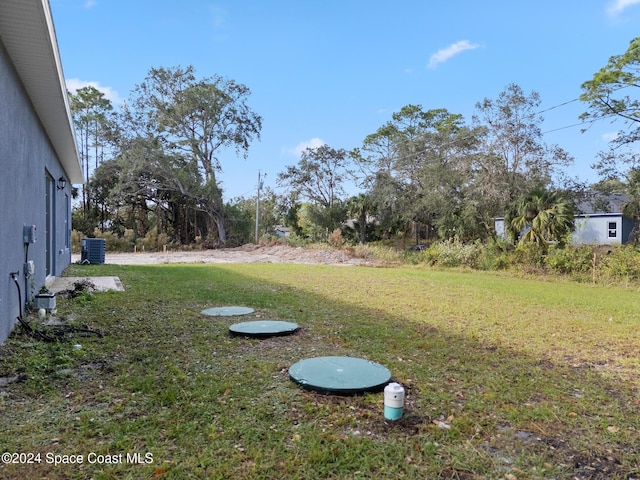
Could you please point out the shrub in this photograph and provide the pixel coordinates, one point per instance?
(294, 240)
(116, 243)
(493, 255)
(335, 239)
(349, 250)
(578, 259)
(529, 256)
(382, 253)
(622, 263)
(154, 241)
(76, 241)
(453, 253)
(130, 238)
(113, 242)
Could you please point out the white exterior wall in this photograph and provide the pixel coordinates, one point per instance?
(595, 230)
(499, 226)
(589, 229)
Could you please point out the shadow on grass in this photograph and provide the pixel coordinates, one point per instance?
(173, 383)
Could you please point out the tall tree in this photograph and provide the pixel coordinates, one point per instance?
(611, 95)
(631, 208)
(241, 213)
(514, 156)
(103, 183)
(319, 176)
(608, 96)
(377, 170)
(377, 156)
(418, 169)
(92, 116)
(196, 120)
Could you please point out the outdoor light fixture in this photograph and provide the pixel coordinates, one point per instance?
(61, 183)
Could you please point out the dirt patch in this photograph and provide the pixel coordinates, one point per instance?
(249, 253)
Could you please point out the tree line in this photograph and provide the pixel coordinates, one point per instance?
(425, 175)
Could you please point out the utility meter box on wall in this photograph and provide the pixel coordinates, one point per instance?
(29, 233)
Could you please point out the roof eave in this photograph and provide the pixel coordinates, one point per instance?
(28, 34)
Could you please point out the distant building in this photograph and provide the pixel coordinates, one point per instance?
(598, 220)
(38, 156)
(281, 231)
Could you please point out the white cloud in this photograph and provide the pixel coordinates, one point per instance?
(90, 3)
(302, 146)
(610, 136)
(616, 7)
(218, 16)
(73, 84)
(452, 50)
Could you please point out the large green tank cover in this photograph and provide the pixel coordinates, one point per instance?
(344, 375)
(263, 328)
(227, 311)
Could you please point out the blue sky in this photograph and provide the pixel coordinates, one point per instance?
(334, 71)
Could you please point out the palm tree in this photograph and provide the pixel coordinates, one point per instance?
(540, 216)
(360, 207)
(631, 208)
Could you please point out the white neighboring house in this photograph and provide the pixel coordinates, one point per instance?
(281, 231)
(598, 221)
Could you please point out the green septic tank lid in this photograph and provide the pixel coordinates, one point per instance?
(263, 328)
(345, 375)
(227, 311)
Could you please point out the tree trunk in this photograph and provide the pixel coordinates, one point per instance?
(363, 227)
(222, 233)
(216, 221)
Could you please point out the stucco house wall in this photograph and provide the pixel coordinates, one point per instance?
(596, 228)
(31, 164)
(607, 229)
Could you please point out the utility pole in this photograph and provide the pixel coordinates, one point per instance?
(260, 180)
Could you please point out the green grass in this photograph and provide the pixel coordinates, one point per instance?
(531, 379)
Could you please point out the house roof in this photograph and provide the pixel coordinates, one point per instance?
(28, 35)
(601, 204)
(596, 204)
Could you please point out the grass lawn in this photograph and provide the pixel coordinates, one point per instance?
(506, 378)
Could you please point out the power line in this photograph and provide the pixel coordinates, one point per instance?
(573, 125)
(557, 106)
(531, 115)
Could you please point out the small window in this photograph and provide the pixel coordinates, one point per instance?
(613, 229)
